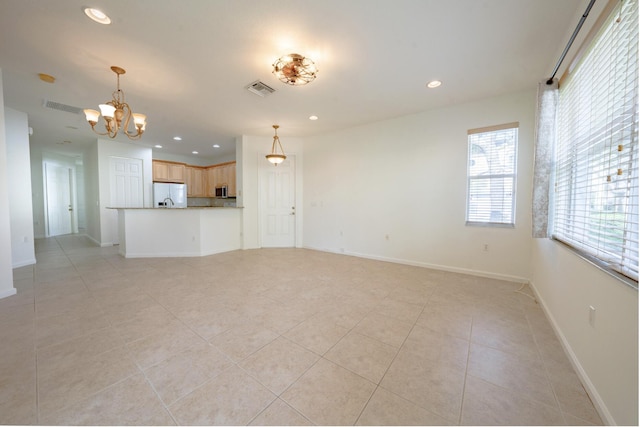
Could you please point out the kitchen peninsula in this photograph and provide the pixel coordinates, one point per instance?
(189, 232)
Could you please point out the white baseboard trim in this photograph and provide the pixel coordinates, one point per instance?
(30, 261)
(591, 390)
(8, 293)
(480, 273)
(176, 254)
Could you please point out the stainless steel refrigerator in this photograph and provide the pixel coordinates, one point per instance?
(169, 195)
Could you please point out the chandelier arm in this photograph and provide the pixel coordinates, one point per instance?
(93, 127)
(128, 115)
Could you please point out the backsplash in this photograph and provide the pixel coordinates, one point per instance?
(210, 201)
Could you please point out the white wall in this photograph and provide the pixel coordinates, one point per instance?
(37, 193)
(250, 153)
(92, 193)
(105, 149)
(605, 354)
(20, 205)
(6, 270)
(406, 178)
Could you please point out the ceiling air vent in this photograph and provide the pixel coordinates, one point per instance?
(61, 107)
(260, 88)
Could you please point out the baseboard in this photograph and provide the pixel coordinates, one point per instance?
(480, 273)
(598, 403)
(8, 293)
(24, 263)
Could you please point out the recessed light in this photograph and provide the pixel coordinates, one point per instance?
(97, 15)
(434, 84)
(313, 117)
(216, 146)
(194, 152)
(177, 138)
(158, 146)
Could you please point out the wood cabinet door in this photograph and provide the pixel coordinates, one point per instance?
(160, 171)
(199, 182)
(231, 176)
(211, 182)
(176, 172)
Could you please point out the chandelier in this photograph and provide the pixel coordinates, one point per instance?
(275, 157)
(117, 114)
(295, 70)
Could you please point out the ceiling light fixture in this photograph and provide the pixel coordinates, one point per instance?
(216, 146)
(114, 112)
(295, 70)
(47, 78)
(177, 138)
(313, 117)
(434, 84)
(275, 157)
(158, 146)
(194, 152)
(97, 15)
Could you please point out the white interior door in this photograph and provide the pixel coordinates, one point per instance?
(126, 189)
(277, 196)
(58, 195)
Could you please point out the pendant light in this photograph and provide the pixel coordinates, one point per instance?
(276, 157)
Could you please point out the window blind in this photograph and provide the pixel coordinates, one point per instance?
(596, 176)
(491, 175)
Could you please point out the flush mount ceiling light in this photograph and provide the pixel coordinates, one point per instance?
(97, 15)
(434, 84)
(275, 157)
(114, 112)
(295, 70)
(46, 78)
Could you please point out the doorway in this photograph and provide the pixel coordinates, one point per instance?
(278, 204)
(59, 190)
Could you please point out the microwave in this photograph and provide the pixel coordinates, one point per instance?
(221, 191)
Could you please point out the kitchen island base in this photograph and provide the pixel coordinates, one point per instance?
(190, 232)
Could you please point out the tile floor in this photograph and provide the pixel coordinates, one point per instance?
(94, 338)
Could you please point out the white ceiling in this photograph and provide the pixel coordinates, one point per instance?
(188, 62)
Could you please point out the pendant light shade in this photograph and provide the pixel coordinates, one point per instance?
(276, 157)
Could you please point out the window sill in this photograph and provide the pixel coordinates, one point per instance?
(600, 265)
(489, 224)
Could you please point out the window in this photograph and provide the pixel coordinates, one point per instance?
(596, 184)
(491, 175)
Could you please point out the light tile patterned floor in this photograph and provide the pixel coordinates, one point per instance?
(274, 337)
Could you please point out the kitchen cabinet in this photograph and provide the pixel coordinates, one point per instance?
(168, 171)
(211, 181)
(201, 181)
(196, 181)
(219, 175)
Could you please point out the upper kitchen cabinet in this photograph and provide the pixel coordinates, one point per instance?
(220, 175)
(164, 171)
(196, 181)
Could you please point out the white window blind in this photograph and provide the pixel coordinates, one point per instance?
(491, 175)
(596, 183)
